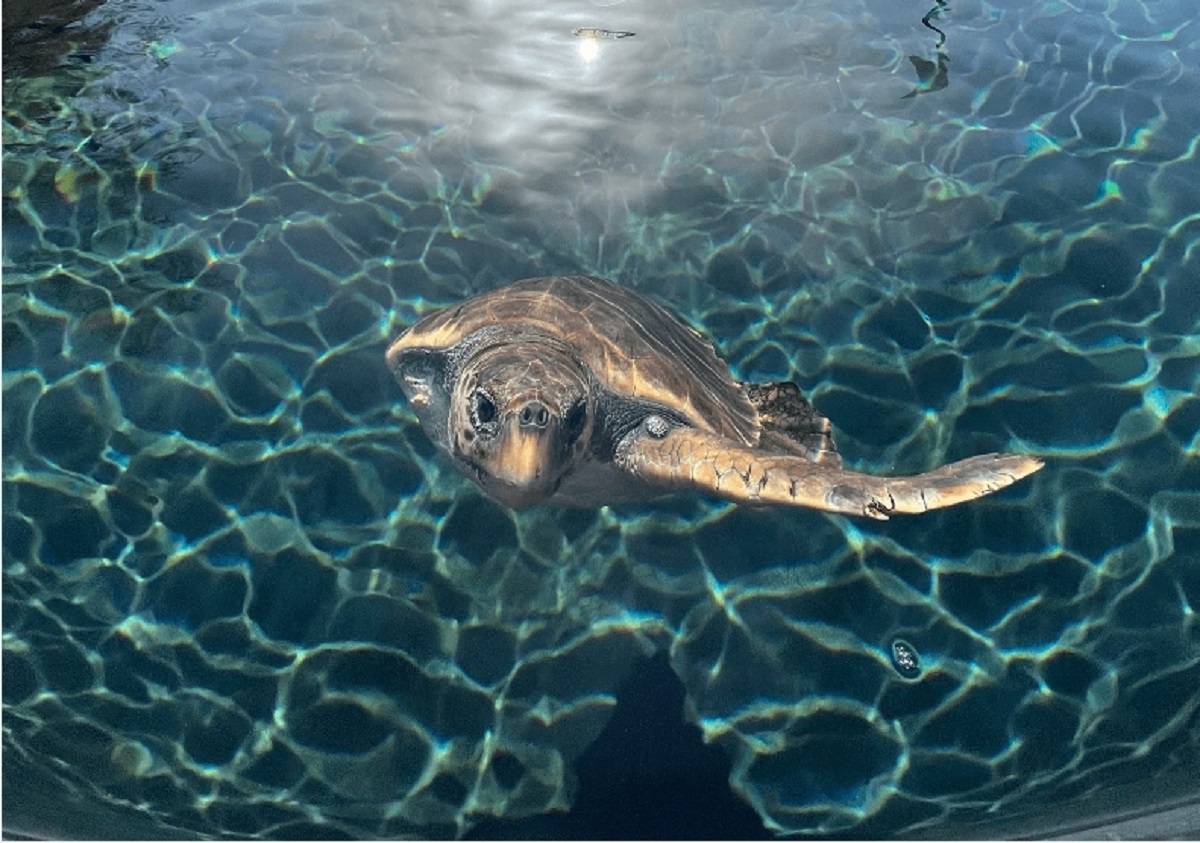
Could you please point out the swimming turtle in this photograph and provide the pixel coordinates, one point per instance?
(581, 392)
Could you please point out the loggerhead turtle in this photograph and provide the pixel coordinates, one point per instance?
(580, 392)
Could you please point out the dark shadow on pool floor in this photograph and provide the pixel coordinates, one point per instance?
(649, 776)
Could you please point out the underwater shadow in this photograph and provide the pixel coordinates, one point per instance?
(648, 776)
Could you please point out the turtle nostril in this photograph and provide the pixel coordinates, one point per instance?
(534, 414)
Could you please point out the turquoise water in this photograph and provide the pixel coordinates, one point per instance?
(242, 594)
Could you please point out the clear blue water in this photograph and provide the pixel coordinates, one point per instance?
(244, 597)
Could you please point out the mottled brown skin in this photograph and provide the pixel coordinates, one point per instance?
(580, 392)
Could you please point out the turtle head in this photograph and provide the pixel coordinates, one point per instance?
(520, 417)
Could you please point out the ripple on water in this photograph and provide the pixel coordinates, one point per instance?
(242, 590)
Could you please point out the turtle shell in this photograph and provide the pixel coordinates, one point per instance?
(634, 347)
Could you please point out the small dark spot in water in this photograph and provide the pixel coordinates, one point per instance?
(905, 659)
(508, 770)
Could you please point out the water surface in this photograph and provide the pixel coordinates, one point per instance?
(243, 596)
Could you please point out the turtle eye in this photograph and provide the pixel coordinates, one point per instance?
(573, 423)
(483, 413)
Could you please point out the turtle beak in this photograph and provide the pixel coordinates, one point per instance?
(529, 455)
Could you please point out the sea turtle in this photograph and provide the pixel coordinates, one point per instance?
(581, 392)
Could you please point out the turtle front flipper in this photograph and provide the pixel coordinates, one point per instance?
(683, 458)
